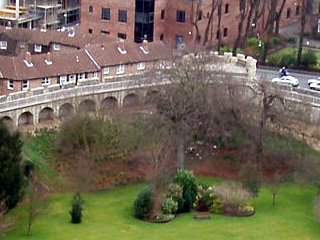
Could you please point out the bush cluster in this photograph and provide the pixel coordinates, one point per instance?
(169, 206)
(143, 203)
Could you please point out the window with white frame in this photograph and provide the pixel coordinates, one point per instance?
(45, 81)
(37, 48)
(62, 79)
(72, 78)
(95, 75)
(3, 45)
(141, 66)
(82, 76)
(106, 70)
(120, 69)
(10, 84)
(25, 85)
(56, 46)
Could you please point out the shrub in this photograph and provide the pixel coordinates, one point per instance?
(289, 59)
(76, 210)
(251, 178)
(292, 40)
(204, 198)
(188, 182)
(245, 208)
(308, 58)
(232, 195)
(217, 206)
(174, 191)
(143, 203)
(275, 41)
(169, 206)
(252, 42)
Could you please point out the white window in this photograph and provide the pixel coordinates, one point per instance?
(62, 79)
(95, 75)
(141, 66)
(3, 45)
(22, 45)
(37, 48)
(81, 76)
(106, 70)
(72, 78)
(25, 85)
(45, 81)
(162, 64)
(56, 46)
(10, 84)
(120, 69)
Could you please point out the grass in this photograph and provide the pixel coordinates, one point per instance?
(108, 215)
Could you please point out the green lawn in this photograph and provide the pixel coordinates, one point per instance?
(108, 215)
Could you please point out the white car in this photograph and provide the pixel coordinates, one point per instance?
(315, 86)
(314, 80)
(287, 80)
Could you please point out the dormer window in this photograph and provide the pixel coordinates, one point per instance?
(29, 64)
(71, 34)
(145, 51)
(3, 45)
(122, 51)
(141, 66)
(37, 48)
(56, 46)
(48, 62)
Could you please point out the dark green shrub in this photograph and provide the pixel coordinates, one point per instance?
(292, 40)
(11, 177)
(76, 210)
(289, 59)
(252, 42)
(275, 41)
(251, 178)
(143, 203)
(308, 58)
(188, 182)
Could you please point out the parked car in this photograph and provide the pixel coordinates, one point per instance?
(314, 80)
(287, 80)
(315, 86)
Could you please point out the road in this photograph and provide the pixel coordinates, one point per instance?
(302, 76)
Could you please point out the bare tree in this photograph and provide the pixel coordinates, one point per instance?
(278, 16)
(214, 5)
(37, 205)
(243, 9)
(303, 20)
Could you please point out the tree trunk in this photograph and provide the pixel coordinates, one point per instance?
(219, 25)
(243, 14)
(180, 149)
(278, 17)
(274, 199)
(303, 23)
(206, 31)
(248, 27)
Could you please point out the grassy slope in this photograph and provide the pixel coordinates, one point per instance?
(108, 215)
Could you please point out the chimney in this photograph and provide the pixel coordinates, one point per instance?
(121, 47)
(28, 57)
(48, 61)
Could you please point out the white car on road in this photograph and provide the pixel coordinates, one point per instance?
(315, 86)
(287, 80)
(313, 80)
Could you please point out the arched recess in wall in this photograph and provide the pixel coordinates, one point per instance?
(46, 115)
(8, 121)
(66, 110)
(108, 103)
(131, 100)
(87, 105)
(25, 118)
(152, 97)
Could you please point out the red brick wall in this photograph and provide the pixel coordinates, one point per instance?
(92, 20)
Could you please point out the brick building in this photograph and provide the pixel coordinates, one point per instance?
(170, 21)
